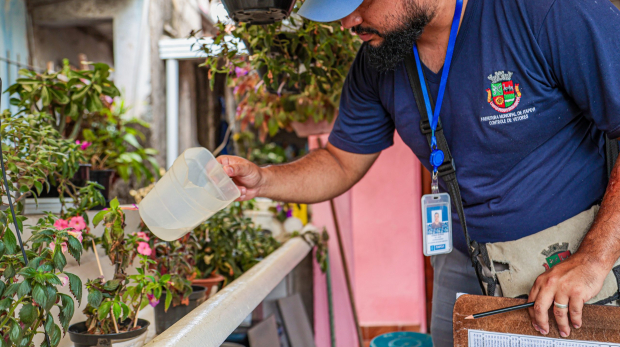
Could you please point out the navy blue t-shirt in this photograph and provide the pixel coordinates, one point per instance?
(533, 86)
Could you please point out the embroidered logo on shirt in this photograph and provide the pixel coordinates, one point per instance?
(504, 95)
(556, 254)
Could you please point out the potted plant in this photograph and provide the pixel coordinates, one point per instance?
(38, 159)
(176, 260)
(230, 243)
(81, 106)
(113, 305)
(29, 292)
(299, 55)
(112, 143)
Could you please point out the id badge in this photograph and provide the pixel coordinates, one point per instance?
(437, 224)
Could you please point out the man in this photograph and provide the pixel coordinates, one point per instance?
(533, 86)
(436, 224)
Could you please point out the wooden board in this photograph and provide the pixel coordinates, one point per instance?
(600, 323)
(265, 333)
(296, 321)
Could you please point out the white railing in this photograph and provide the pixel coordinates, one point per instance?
(212, 322)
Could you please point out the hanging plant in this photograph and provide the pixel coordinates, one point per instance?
(290, 71)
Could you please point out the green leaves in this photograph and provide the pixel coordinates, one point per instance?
(75, 285)
(114, 204)
(104, 310)
(24, 289)
(39, 295)
(94, 298)
(66, 312)
(10, 242)
(99, 217)
(28, 313)
(59, 258)
(75, 247)
(111, 285)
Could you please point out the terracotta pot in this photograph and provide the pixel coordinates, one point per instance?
(309, 127)
(209, 283)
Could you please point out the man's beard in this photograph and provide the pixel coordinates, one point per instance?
(399, 42)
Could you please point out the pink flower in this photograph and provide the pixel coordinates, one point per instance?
(77, 223)
(144, 249)
(77, 235)
(63, 246)
(152, 301)
(240, 71)
(142, 235)
(64, 279)
(83, 145)
(61, 224)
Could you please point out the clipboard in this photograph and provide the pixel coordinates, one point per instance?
(599, 323)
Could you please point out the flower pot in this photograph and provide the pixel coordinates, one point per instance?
(106, 178)
(258, 11)
(309, 127)
(208, 283)
(164, 320)
(135, 338)
(79, 179)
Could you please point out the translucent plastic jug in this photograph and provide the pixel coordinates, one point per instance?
(194, 189)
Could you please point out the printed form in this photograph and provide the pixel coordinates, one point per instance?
(478, 338)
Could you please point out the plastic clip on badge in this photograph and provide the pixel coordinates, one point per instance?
(436, 208)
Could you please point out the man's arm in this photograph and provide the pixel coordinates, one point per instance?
(580, 277)
(321, 175)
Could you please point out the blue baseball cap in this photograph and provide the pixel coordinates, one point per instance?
(328, 10)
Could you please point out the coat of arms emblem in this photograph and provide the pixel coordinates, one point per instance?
(504, 95)
(556, 254)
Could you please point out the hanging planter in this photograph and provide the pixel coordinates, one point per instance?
(258, 11)
(132, 338)
(297, 55)
(164, 320)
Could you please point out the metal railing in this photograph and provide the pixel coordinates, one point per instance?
(212, 322)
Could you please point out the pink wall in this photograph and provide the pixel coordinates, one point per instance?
(380, 220)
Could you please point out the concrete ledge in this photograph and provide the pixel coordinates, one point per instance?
(213, 321)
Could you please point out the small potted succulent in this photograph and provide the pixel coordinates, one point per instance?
(113, 305)
(176, 260)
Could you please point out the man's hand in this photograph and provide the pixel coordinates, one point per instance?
(572, 282)
(246, 175)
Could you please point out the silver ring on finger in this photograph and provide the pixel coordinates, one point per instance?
(560, 305)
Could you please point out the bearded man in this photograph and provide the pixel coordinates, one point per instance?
(532, 90)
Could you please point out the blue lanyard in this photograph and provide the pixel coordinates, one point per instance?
(437, 155)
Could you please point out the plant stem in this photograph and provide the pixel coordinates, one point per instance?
(10, 315)
(135, 319)
(114, 321)
(98, 262)
(76, 128)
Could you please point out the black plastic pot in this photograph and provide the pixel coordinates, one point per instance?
(164, 320)
(258, 11)
(77, 334)
(79, 179)
(106, 179)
